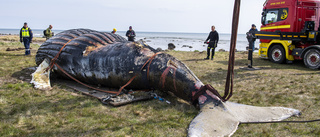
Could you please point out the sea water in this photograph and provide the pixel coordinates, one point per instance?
(182, 41)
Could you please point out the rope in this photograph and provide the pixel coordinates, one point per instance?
(203, 90)
(174, 79)
(106, 91)
(164, 75)
(111, 92)
(235, 22)
(57, 56)
(52, 63)
(128, 83)
(149, 61)
(304, 121)
(230, 75)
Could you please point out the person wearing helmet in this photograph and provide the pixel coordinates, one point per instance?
(114, 30)
(130, 34)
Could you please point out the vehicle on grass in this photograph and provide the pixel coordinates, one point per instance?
(290, 31)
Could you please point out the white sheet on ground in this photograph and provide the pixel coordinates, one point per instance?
(40, 78)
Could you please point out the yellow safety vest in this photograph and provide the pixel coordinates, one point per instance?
(25, 32)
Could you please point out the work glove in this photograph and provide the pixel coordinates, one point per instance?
(21, 40)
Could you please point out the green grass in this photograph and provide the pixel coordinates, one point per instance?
(25, 111)
(14, 38)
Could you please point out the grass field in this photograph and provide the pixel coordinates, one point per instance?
(25, 111)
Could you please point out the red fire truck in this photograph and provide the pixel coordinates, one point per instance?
(290, 31)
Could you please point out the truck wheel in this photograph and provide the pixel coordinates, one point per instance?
(277, 54)
(312, 58)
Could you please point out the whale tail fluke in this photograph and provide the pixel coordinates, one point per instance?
(223, 119)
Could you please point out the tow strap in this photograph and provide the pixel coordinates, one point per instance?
(235, 22)
(230, 75)
(52, 63)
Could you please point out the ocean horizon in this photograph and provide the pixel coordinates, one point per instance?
(182, 40)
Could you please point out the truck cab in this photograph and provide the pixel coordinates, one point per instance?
(290, 31)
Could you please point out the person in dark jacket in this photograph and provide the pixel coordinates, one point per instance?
(130, 34)
(251, 39)
(26, 36)
(214, 39)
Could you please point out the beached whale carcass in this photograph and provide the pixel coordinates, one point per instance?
(109, 60)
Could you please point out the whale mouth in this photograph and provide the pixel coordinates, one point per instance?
(218, 118)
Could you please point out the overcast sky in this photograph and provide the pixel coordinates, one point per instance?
(144, 15)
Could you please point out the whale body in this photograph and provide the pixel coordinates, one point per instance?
(110, 60)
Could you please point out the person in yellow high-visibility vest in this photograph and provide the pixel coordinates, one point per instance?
(49, 33)
(26, 36)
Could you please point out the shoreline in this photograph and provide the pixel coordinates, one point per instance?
(182, 43)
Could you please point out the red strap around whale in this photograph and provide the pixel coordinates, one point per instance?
(203, 90)
(57, 56)
(106, 91)
(149, 61)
